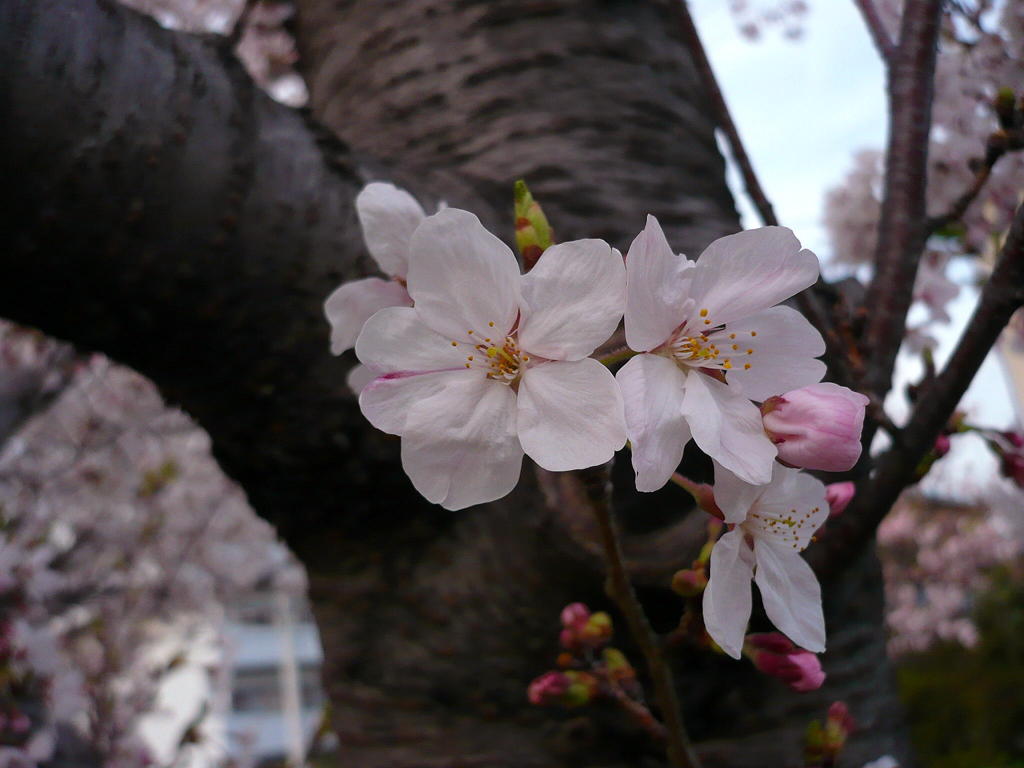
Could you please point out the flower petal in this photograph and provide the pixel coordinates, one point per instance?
(388, 216)
(463, 278)
(652, 391)
(657, 286)
(387, 400)
(728, 428)
(790, 509)
(727, 600)
(572, 300)
(395, 340)
(779, 345)
(353, 303)
(744, 273)
(734, 496)
(570, 414)
(358, 377)
(460, 446)
(790, 593)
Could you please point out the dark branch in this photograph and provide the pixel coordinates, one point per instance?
(902, 229)
(1002, 295)
(169, 213)
(996, 147)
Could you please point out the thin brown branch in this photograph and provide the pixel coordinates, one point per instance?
(691, 39)
(1002, 295)
(902, 230)
(640, 714)
(680, 751)
(998, 144)
(879, 35)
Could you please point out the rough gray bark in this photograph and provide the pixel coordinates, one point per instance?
(170, 215)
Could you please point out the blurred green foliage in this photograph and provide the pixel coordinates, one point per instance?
(966, 707)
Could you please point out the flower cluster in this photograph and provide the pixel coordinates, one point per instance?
(475, 364)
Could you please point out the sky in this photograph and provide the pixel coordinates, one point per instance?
(802, 109)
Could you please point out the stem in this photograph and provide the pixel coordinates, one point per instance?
(619, 588)
(703, 494)
(640, 714)
(617, 356)
(722, 116)
(879, 36)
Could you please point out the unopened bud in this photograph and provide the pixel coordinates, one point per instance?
(814, 744)
(617, 664)
(1012, 466)
(839, 496)
(775, 655)
(689, 582)
(583, 688)
(533, 233)
(597, 632)
(816, 427)
(942, 446)
(838, 727)
(1016, 439)
(550, 688)
(575, 615)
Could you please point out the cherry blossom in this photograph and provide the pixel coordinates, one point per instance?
(388, 216)
(489, 364)
(772, 524)
(776, 656)
(816, 427)
(713, 339)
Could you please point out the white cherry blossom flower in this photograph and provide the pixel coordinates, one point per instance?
(713, 340)
(488, 363)
(388, 216)
(773, 524)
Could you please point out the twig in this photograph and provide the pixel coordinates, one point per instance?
(680, 751)
(996, 147)
(640, 714)
(722, 116)
(1002, 295)
(902, 229)
(879, 35)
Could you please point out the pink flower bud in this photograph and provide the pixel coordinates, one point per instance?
(838, 726)
(773, 654)
(1012, 466)
(1016, 439)
(816, 427)
(839, 496)
(575, 615)
(548, 689)
(942, 445)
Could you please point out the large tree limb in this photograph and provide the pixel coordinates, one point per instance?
(159, 207)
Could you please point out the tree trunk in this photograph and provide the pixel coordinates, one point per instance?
(169, 214)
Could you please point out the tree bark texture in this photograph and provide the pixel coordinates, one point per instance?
(158, 207)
